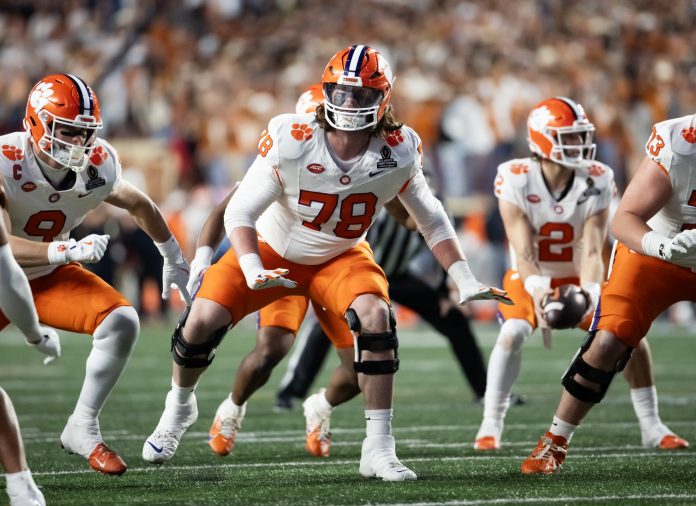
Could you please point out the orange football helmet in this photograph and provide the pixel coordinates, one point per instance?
(357, 87)
(558, 130)
(63, 101)
(310, 99)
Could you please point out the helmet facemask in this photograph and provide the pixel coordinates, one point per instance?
(572, 145)
(69, 155)
(351, 107)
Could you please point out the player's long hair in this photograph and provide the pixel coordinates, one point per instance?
(387, 124)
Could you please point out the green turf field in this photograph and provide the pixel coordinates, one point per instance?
(434, 426)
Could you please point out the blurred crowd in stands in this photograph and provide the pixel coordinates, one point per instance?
(187, 86)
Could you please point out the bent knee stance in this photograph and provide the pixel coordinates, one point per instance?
(513, 334)
(374, 342)
(594, 381)
(195, 355)
(118, 331)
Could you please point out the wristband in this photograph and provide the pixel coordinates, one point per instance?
(58, 252)
(169, 249)
(204, 255)
(654, 244)
(461, 274)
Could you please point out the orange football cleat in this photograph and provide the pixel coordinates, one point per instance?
(486, 443)
(547, 457)
(218, 442)
(106, 461)
(673, 442)
(318, 442)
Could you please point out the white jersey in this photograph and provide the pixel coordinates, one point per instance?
(323, 211)
(557, 222)
(38, 211)
(672, 145)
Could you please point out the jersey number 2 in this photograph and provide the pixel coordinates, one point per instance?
(329, 201)
(558, 234)
(45, 224)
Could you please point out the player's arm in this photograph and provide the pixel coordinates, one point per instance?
(594, 233)
(149, 218)
(400, 214)
(434, 224)
(649, 191)
(17, 302)
(260, 187)
(208, 240)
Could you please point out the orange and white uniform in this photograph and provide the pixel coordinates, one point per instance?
(313, 217)
(640, 287)
(67, 297)
(557, 223)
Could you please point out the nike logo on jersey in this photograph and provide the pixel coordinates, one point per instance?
(80, 195)
(158, 450)
(375, 173)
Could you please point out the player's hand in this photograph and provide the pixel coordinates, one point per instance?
(88, 250)
(49, 344)
(175, 273)
(682, 248)
(473, 290)
(537, 297)
(269, 278)
(200, 264)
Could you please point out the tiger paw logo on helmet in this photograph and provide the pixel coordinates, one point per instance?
(301, 132)
(12, 152)
(689, 135)
(99, 155)
(39, 97)
(395, 138)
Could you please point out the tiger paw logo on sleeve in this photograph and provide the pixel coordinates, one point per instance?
(301, 132)
(12, 152)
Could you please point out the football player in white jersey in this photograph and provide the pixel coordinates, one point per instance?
(555, 207)
(53, 174)
(297, 225)
(654, 266)
(17, 304)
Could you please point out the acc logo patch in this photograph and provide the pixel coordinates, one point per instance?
(301, 132)
(534, 199)
(315, 168)
(29, 187)
(12, 152)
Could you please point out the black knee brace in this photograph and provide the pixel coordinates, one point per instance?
(379, 341)
(190, 355)
(602, 378)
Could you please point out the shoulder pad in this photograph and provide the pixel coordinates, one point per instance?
(681, 133)
(11, 151)
(601, 173)
(515, 172)
(290, 133)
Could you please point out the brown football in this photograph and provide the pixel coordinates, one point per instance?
(565, 307)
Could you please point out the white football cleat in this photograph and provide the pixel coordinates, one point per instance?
(175, 420)
(659, 436)
(223, 432)
(378, 460)
(318, 423)
(26, 494)
(83, 437)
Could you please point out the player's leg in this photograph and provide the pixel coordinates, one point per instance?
(505, 362)
(311, 349)
(72, 298)
(639, 374)
(20, 486)
(343, 386)
(353, 283)
(445, 315)
(639, 289)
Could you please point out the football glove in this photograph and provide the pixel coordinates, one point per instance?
(258, 278)
(49, 344)
(471, 289)
(175, 271)
(88, 250)
(199, 265)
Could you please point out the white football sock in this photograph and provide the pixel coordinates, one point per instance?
(645, 406)
(182, 395)
(561, 428)
(503, 369)
(112, 345)
(378, 422)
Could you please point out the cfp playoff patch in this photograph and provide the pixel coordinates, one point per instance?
(590, 191)
(387, 162)
(95, 181)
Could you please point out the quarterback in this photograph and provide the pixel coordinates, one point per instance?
(53, 174)
(296, 224)
(654, 266)
(555, 207)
